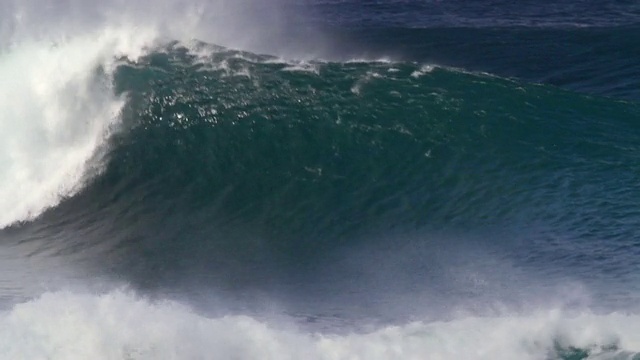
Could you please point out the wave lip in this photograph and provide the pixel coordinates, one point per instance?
(58, 109)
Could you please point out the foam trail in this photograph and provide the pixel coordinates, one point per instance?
(118, 325)
(58, 108)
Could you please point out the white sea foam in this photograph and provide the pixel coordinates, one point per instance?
(304, 67)
(56, 64)
(424, 69)
(58, 106)
(118, 325)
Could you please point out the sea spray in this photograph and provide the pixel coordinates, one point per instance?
(58, 109)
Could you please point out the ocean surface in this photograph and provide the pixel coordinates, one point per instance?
(320, 179)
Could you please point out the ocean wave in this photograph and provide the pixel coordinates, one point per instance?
(242, 153)
(135, 151)
(61, 88)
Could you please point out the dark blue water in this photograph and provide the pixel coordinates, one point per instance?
(324, 180)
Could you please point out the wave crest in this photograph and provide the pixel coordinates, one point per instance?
(58, 109)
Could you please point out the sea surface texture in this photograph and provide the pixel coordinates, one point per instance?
(320, 179)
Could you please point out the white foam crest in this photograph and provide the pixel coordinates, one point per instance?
(382, 60)
(303, 67)
(424, 69)
(119, 325)
(58, 106)
(360, 83)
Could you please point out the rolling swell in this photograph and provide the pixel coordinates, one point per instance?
(598, 60)
(238, 170)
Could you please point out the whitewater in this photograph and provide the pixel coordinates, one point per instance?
(119, 325)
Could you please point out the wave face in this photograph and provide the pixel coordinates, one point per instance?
(463, 196)
(237, 169)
